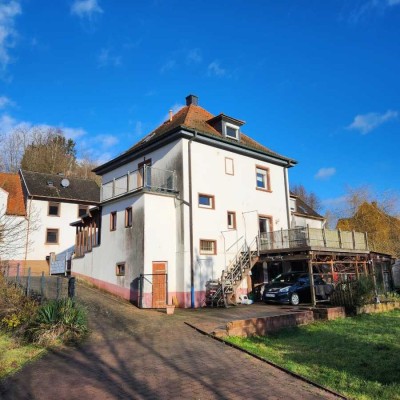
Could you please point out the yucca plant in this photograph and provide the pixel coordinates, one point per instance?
(57, 321)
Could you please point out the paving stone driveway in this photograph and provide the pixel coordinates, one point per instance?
(141, 354)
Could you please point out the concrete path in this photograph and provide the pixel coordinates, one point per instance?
(141, 354)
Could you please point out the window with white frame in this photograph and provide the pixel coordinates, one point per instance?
(231, 220)
(206, 201)
(208, 247)
(229, 167)
(231, 131)
(262, 178)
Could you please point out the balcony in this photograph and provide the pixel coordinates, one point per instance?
(313, 238)
(145, 178)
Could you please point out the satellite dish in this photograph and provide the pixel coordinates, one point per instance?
(65, 183)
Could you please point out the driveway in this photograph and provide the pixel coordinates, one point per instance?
(142, 354)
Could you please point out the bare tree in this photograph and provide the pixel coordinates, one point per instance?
(310, 198)
(13, 146)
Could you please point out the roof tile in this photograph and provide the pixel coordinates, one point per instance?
(11, 183)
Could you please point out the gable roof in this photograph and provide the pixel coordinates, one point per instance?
(78, 190)
(303, 209)
(195, 118)
(11, 183)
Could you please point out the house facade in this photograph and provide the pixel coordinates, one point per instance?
(177, 207)
(47, 203)
(302, 215)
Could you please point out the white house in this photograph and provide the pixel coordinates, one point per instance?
(303, 215)
(47, 203)
(178, 206)
(13, 220)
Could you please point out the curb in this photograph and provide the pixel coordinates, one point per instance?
(302, 378)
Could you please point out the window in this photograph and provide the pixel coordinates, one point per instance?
(208, 247)
(231, 131)
(262, 178)
(113, 221)
(54, 209)
(120, 269)
(82, 210)
(231, 220)
(265, 224)
(206, 201)
(128, 217)
(292, 204)
(229, 169)
(51, 236)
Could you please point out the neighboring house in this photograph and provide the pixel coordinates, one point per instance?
(13, 221)
(178, 206)
(48, 203)
(303, 215)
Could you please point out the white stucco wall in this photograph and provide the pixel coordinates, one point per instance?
(40, 221)
(298, 221)
(235, 193)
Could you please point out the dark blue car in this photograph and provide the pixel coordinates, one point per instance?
(293, 288)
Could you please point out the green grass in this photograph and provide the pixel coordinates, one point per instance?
(14, 355)
(358, 357)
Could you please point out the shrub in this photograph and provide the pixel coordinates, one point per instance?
(16, 310)
(58, 321)
(354, 294)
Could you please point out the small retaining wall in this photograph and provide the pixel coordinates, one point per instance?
(330, 313)
(265, 325)
(378, 308)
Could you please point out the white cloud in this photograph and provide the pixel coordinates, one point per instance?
(369, 7)
(106, 141)
(175, 108)
(325, 173)
(73, 133)
(214, 69)
(365, 123)
(170, 64)
(106, 58)
(194, 56)
(5, 102)
(8, 11)
(86, 8)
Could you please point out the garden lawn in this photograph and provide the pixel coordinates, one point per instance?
(14, 355)
(358, 357)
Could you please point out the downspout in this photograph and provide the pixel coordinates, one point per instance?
(285, 175)
(28, 229)
(192, 299)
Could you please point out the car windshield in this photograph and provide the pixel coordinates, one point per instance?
(287, 278)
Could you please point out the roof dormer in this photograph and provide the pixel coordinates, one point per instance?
(229, 127)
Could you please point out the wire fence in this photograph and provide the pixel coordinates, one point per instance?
(42, 286)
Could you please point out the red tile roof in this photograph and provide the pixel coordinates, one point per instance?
(11, 183)
(196, 118)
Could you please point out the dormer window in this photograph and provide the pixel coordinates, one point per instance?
(229, 127)
(231, 131)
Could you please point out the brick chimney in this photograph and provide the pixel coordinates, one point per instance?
(192, 99)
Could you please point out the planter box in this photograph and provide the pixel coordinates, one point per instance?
(170, 309)
(329, 313)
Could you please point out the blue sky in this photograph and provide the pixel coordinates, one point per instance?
(317, 81)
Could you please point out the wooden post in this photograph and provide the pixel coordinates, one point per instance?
(311, 276)
(340, 238)
(28, 282)
(42, 287)
(308, 236)
(324, 236)
(354, 239)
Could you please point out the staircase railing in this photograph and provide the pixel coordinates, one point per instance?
(232, 277)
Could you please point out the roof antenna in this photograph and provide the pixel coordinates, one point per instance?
(170, 115)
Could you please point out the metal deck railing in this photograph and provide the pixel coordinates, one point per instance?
(313, 237)
(149, 178)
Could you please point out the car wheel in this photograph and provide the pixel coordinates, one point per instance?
(294, 299)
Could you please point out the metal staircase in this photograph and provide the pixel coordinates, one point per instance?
(221, 293)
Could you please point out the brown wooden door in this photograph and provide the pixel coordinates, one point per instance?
(159, 284)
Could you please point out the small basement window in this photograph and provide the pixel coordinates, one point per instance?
(54, 209)
(208, 247)
(206, 201)
(51, 236)
(120, 269)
